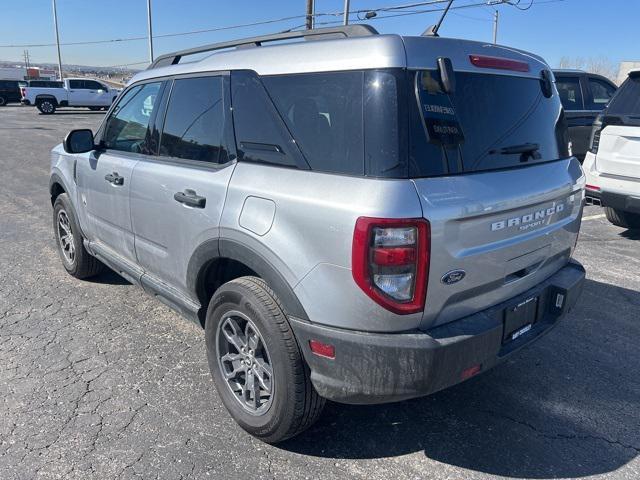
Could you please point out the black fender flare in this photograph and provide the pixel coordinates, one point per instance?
(223, 248)
(45, 97)
(56, 179)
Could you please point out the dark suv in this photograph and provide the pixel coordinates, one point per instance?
(9, 92)
(583, 96)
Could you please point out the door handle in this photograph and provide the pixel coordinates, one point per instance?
(190, 198)
(114, 178)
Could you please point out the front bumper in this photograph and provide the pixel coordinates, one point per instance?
(371, 368)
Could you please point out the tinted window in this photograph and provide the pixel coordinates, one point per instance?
(627, 100)
(323, 111)
(91, 85)
(260, 134)
(570, 93)
(194, 123)
(601, 92)
(126, 128)
(467, 131)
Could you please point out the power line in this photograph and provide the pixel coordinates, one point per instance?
(392, 8)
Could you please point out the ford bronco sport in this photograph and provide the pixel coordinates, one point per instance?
(363, 218)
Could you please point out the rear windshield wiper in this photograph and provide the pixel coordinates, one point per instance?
(525, 150)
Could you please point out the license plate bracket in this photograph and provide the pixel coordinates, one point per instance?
(519, 319)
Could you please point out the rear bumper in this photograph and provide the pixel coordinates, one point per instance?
(374, 368)
(617, 201)
(25, 102)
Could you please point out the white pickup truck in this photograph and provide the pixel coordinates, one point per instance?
(75, 92)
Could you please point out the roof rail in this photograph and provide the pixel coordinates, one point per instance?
(318, 33)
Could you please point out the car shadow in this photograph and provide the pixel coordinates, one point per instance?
(631, 234)
(75, 112)
(109, 277)
(564, 407)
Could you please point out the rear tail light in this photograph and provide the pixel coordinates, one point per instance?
(23, 92)
(499, 63)
(390, 261)
(592, 188)
(596, 129)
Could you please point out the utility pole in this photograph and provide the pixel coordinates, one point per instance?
(346, 12)
(309, 22)
(495, 26)
(25, 55)
(55, 22)
(150, 31)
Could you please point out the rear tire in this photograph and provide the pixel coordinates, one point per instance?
(621, 218)
(75, 258)
(3, 101)
(46, 106)
(248, 335)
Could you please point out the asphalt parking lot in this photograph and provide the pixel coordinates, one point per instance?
(98, 380)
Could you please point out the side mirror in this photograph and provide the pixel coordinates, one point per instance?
(78, 141)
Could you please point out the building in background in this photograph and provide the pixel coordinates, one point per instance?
(625, 68)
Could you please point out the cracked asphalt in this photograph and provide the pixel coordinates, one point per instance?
(100, 381)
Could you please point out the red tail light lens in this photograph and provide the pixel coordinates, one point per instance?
(390, 261)
(499, 63)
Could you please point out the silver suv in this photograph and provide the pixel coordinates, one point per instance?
(363, 218)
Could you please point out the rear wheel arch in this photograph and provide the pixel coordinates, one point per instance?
(216, 262)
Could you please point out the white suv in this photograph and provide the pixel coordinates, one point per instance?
(612, 164)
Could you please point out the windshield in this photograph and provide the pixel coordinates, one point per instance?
(489, 122)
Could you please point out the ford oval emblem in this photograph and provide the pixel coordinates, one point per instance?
(454, 276)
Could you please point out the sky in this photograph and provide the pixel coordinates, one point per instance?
(550, 28)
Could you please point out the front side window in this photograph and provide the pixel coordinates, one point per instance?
(602, 93)
(126, 127)
(570, 93)
(91, 85)
(195, 121)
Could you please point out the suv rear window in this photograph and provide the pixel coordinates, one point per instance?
(627, 99)
(490, 122)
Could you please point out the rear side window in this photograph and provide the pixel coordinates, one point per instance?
(126, 127)
(77, 84)
(323, 111)
(627, 100)
(490, 122)
(194, 122)
(261, 135)
(570, 93)
(601, 92)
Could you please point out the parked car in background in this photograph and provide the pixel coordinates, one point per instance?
(583, 95)
(612, 165)
(9, 92)
(354, 225)
(74, 92)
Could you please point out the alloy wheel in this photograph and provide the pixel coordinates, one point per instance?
(65, 238)
(245, 363)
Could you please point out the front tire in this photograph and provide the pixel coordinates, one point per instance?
(621, 218)
(46, 107)
(75, 258)
(256, 363)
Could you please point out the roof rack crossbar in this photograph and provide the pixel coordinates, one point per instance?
(346, 31)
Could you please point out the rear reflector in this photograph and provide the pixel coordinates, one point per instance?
(592, 187)
(499, 63)
(322, 349)
(470, 372)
